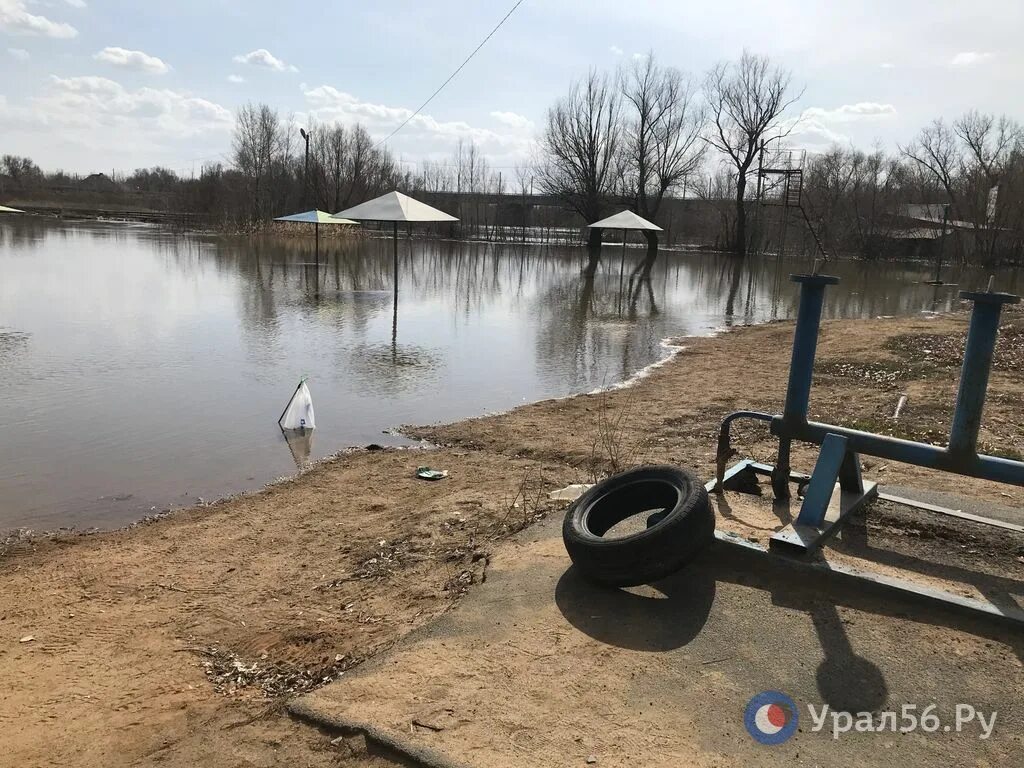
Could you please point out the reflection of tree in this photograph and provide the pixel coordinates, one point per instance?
(735, 273)
(24, 231)
(589, 319)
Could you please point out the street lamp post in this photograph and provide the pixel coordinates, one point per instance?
(305, 169)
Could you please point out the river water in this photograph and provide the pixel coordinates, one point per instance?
(141, 371)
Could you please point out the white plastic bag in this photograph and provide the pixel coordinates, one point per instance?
(299, 413)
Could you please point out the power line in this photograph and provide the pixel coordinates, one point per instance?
(450, 77)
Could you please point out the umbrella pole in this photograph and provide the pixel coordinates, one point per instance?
(394, 319)
(622, 261)
(395, 270)
(316, 228)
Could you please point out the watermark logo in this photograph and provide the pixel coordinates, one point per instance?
(771, 717)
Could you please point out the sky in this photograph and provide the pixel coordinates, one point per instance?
(98, 85)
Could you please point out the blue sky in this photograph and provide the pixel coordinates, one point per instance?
(97, 85)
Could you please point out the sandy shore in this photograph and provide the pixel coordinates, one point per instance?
(184, 636)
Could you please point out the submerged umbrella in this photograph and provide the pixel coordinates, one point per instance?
(625, 220)
(316, 218)
(395, 207)
(5, 209)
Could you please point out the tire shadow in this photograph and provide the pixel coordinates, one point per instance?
(659, 617)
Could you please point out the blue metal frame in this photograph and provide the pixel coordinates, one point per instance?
(841, 446)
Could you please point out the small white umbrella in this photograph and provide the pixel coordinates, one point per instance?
(316, 218)
(5, 209)
(394, 207)
(625, 220)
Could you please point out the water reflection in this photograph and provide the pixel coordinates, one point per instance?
(118, 342)
(300, 445)
(391, 369)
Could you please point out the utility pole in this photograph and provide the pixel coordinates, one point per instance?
(305, 169)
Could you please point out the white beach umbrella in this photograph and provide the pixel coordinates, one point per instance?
(316, 218)
(5, 209)
(394, 207)
(625, 220)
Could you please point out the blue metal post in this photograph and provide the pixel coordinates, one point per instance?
(981, 343)
(801, 369)
(805, 345)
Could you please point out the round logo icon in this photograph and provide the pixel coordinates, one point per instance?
(771, 717)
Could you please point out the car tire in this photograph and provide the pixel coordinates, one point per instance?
(682, 525)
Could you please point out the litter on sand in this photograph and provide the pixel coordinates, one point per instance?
(570, 492)
(426, 473)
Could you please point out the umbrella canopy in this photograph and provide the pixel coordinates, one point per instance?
(626, 220)
(315, 217)
(5, 209)
(394, 206)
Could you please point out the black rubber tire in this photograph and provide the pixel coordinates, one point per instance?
(672, 539)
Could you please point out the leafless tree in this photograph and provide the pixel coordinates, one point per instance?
(938, 153)
(579, 146)
(328, 156)
(662, 134)
(747, 101)
(256, 144)
(990, 142)
(968, 159)
(524, 187)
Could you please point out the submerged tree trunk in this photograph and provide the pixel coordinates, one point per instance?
(740, 246)
(594, 238)
(652, 244)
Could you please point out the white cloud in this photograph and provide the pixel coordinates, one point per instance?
(513, 120)
(97, 112)
(864, 110)
(818, 128)
(19, 53)
(639, 56)
(236, 79)
(16, 20)
(887, 65)
(76, 3)
(261, 57)
(424, 137)
(137, 61)
(85, 124)
(970, 58)
(616, 50)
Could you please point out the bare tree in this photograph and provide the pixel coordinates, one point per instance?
(579, 147)
(256, 144)
(990, 142)
(747, 100)
(524, 182)
(968, 159)
(939, 154)
(662, 135)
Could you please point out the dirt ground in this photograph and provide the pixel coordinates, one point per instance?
(184, 636)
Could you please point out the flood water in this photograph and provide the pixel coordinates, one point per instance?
(141, 371)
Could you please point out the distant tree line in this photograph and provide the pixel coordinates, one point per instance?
(647, 133)
(684, 152)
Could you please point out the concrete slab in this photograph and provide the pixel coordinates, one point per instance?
(538, 668)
